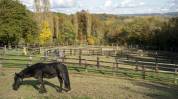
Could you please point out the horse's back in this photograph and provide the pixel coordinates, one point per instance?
(49, 67)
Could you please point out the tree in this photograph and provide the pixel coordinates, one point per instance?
(97, 29)
(84, 24)
(45, 35)
(16, 22)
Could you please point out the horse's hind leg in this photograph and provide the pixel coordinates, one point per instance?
(61, 83)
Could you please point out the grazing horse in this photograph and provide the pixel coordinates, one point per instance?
(44, 70)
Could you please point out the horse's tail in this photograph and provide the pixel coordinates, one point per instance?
(65, 76)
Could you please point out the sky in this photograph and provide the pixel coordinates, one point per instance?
(110, 6)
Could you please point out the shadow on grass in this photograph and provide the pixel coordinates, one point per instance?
(160, 91)
(35, 84)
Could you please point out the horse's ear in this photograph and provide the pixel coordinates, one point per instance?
(16, 74)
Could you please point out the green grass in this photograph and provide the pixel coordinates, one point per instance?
(86, 86)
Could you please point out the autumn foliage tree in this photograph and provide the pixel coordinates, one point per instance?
(45, 35)
(91, 40)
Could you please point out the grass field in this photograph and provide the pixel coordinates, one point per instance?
(85, 86)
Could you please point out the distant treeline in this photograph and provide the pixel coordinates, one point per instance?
(20, 26)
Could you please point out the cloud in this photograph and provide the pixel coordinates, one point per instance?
(109, 6)
(130, 3)
(28, 3)
(63, 3)
(170, 6)
(174, 4)
(54, 3)
(108, 3)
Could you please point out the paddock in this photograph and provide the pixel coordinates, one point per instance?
(86, 86)
(94, 75)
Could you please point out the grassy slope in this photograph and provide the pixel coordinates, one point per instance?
(86, 86)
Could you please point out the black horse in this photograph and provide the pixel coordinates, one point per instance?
(44, 70)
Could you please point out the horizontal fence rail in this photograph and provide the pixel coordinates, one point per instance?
(123, 63)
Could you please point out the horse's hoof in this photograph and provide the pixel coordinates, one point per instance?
(59, 90)
(68, 89)
(42, 91)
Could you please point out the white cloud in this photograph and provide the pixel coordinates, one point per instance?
(63, 3)
(107, 6)
(130, 3)
(141, 3)
(108, 3)
(54, 3)
(171, 6)
(125, 2)
(28, 3)
(164, 9)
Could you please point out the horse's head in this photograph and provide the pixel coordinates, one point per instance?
(17, 81)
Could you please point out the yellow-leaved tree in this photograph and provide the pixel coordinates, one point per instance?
(91, 40)
(45, 34)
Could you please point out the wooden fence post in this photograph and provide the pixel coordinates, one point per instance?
(30, 60)
(127, 55)
(101, 51)
(0, 65)
(81, 52)
(115, 53)
(93, 52)
(80, 60)
(143, 72)
(156, 68)
(86, 70)
(18, 51)
(25, 51)
(74, 52)
(63, 56)
(175, 76)
(117, 64)
(89, 52)
(98, 62)
(156, 62)
(117, 47)
(114, 69)
(70, 51)
(109, 53)
(64, 52)
(5, 49)
(136, 65)
(40, 50)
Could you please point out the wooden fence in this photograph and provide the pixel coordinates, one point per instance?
(144, 67)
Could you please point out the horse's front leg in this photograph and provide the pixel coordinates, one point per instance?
(42, 87)
(61, 83)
